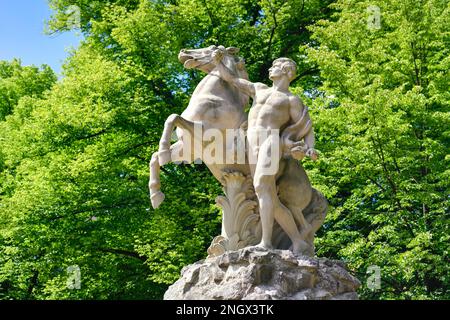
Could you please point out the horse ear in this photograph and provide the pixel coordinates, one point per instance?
(232, 50)
(241, 64)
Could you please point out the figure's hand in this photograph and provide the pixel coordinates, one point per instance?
(312, 153)
(217, 56)
(298, 153)
(295, 149)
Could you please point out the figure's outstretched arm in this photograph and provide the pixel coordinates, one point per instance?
(243, 85)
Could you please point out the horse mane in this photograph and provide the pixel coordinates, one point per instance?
(238, 68)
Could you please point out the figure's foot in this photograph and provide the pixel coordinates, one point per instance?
(156, 199)
(164, 157)
(264, 245)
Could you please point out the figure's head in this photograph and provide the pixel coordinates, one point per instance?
(283, 66)
(202, 59)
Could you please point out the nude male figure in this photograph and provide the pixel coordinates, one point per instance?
(274, 108)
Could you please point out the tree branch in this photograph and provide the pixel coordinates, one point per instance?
(33, 283)
(114, 206)
(272, 33)
(127, 253)
(368, 177)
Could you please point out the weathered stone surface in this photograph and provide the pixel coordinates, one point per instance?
(253, 273)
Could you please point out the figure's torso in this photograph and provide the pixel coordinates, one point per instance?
(270, 109)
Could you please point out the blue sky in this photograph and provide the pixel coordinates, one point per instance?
(22, 34)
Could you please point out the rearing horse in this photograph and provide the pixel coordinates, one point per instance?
(218, 105)
(215, 104)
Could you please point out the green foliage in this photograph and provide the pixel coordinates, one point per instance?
(74, 153)
(74, 162)
(17, 81)
(383, 128)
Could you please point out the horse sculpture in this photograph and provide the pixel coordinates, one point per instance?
(216, 104)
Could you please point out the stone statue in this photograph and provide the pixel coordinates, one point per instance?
(273, 108)
(214, 105)
(269, 203)
(268, 199)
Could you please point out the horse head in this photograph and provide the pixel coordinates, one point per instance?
(202, 59)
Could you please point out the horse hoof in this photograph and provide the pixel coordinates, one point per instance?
(164, 157)
(156, 199)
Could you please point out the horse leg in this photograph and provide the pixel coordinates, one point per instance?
(164, 142)
(173, 121)
(305, 227)
(156, 196)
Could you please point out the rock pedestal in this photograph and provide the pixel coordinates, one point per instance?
(256, 274)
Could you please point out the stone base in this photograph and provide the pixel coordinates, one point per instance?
(256, 274)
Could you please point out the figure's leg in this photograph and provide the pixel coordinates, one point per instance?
(252, 152)
(271, 209)
(301, 221)
(263, 188)
(265, 194)
(295, 193)
(286, 220)
(264, 183)
(270, 206)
